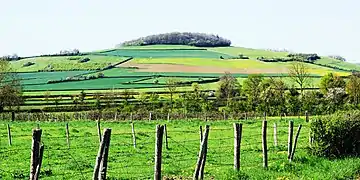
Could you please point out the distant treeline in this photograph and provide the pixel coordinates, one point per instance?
(178, 38)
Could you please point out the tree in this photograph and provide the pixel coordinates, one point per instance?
(229, 87)
(252, 90)
(272, 96)
(299, 73)
(171, 85)
(353, 89)
(330, 81)
(10, 88)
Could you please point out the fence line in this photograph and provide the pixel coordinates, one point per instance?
(219, 150)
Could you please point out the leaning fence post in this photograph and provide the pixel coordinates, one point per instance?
(201, 153)
(166, 137)
(67, 135)
(237, 144)
(201, 135)
(9, 134)
(12, 116)
(100, 154)
(203, 162)
(264, 145)
(295, 142)
(35, 152)
(290, 137)
(158, 152)
(104, 159)
(98, 129)
(133, 134)
(40, 158)
(275, 135)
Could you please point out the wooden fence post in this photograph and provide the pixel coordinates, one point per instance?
(201, 153)
(237, 144)
(166, 137)
(290, 138)
(295, 142)
(40, 158)
(98, 129)
(104, 160)
(12, 116)
(35, 152)
(168, 117)
(150, 116)
(67, 135)
(99, 157)
(158, 152)
(224, 114)
(115, 116)
(133, 134)
(264, 144)
(201, 135)
(275, 135)
(9, 134)
(203, 162)
(306, 116)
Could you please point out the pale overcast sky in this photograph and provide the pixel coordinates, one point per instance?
(48, 26)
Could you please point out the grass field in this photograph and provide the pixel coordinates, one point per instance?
(63, 63)
(179, 160)
(163, 53)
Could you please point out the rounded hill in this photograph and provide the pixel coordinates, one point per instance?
(180, 38)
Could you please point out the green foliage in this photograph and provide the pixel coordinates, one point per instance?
(252, 90)
(229, 87)
(336, 135)
(331, 80)
(353, 89)
(177, 38)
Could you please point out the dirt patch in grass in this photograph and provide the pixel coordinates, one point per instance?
(199, 69)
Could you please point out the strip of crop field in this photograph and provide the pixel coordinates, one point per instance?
(160, 53)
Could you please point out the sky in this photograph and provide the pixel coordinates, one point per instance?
(326, 27)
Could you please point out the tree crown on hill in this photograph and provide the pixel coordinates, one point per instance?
(180, 38)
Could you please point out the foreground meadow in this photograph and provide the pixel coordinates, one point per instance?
(127, 162)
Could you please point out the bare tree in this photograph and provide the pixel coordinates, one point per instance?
(299, 73)
(171, 85)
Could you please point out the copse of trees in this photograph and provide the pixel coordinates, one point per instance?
(180, 38)
(337, 57)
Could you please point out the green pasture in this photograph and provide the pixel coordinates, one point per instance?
(337, 63)
(164, 53)
(249, 52)
(161, 47)
(63, 63)
(179, 160)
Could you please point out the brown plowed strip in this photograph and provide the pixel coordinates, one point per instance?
(197, 69)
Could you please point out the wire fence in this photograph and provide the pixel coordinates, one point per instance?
(76, 159)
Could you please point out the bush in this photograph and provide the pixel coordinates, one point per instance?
(336, 135)
(84, 60)
(74, 58)
(28, 64)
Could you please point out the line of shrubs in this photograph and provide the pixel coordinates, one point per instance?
(78, 78)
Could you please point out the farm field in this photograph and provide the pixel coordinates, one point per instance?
(184, 63)
(64, 63)
(179, 159)
(161, 53)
